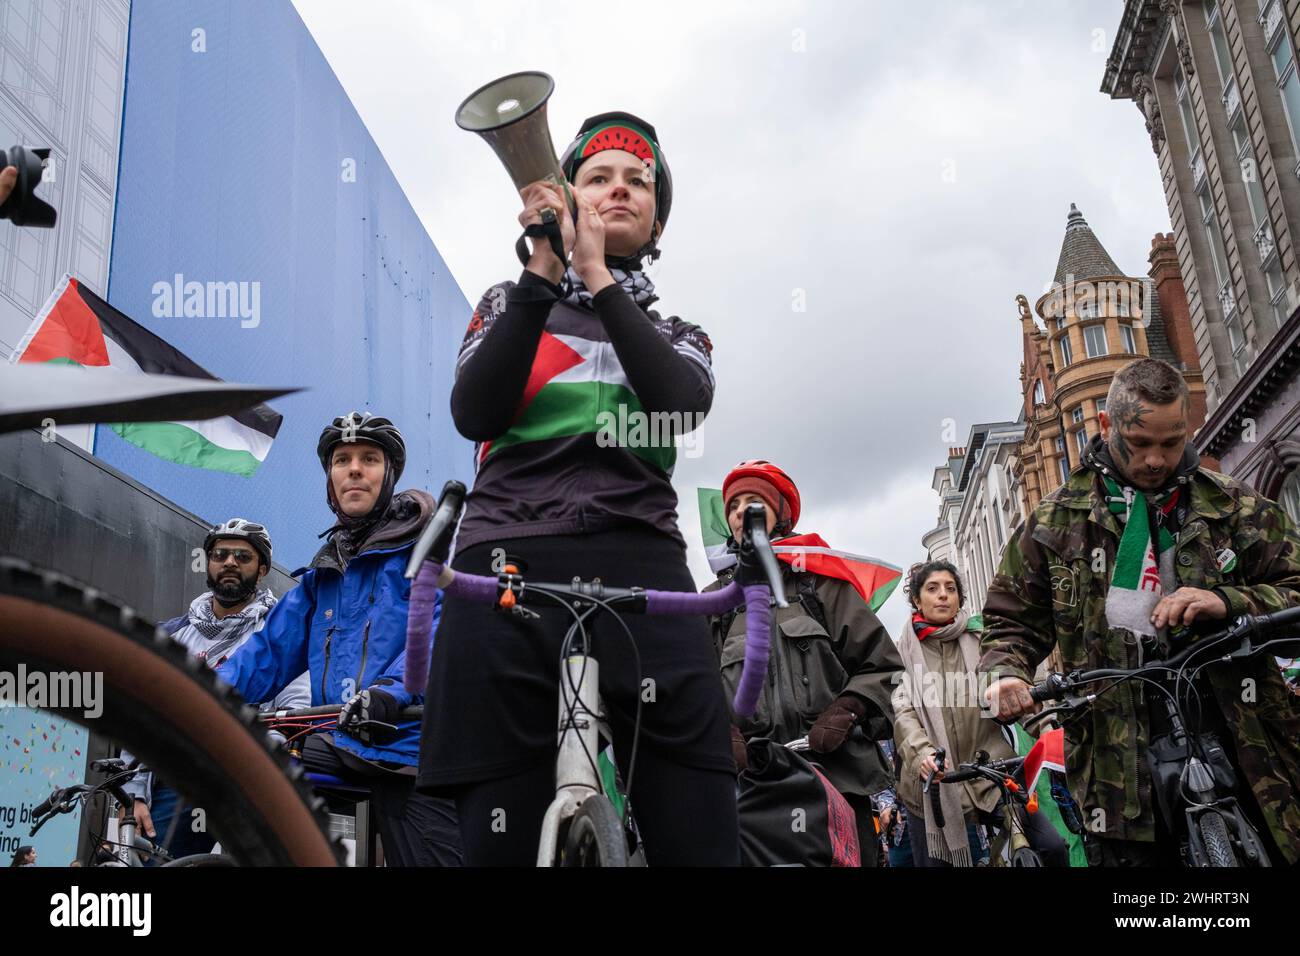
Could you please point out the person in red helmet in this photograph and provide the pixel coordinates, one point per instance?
(833, 665)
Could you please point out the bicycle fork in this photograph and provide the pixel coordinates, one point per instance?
(579, 740)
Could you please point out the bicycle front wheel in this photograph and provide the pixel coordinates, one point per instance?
(595, 836)
(1215, 839)
(171, 711)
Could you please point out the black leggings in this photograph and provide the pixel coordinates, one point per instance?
(686, 815)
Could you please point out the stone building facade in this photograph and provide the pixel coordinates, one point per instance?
(1218, 87)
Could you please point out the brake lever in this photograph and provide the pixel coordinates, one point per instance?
(757, 560)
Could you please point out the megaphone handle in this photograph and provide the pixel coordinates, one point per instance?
(549, 228)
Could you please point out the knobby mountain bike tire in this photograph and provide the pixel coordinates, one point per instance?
(1214, 837)
(169, 709)
(595, 836)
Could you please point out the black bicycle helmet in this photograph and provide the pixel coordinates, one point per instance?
(245, 530)
(618, 130)
(363, 426)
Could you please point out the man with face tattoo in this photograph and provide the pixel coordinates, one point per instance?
(217, 623)
(1139, 553)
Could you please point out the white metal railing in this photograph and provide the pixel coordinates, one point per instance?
(1271, 19)
(1227, 301)
(1264, 241)
(1232, 99)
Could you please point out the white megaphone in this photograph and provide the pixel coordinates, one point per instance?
(510, 114)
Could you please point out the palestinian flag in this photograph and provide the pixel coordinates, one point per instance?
(1047, 753)
(77, 327)
(873, 579)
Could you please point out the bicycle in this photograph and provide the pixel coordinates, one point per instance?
(131, 849)
(590, 821)
(340, 793)
(1190, 770)
(1008, 776)
(171, 711)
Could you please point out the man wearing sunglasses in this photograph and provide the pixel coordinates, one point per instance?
(217, 623)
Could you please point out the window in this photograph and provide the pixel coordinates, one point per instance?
(1126, 340)
(1101, 405)
(1282, 50)
(1077, 415)
(1236, 342)
(1289, 499)
(1221, 58)
(1094, 340)
(1081, 441)
(1213, 237)
(1039, 397)
(1277, 292)
(1065, 350)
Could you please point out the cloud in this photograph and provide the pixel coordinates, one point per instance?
(904, 170)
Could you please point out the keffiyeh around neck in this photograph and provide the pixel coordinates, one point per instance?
(231, 627)
(634, 282)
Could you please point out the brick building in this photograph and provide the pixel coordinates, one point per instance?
(1095, 319)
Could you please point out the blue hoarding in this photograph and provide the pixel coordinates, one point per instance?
(244, 162)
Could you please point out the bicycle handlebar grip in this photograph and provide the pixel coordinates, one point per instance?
(758, 645)
(419, 628)
(436, 537)
(46, 805)
(1290, 617)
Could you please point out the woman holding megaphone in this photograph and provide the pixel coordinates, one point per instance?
(574, 389)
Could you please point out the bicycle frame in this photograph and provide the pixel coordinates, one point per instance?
(576, 778)
(757, 585)
(1198, 790)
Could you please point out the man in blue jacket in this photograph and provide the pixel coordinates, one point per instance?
(346, 624)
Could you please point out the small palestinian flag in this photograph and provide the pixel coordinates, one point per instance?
(77, 327)
(1047, 753)
(874, 580)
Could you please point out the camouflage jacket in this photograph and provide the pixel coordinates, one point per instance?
(1050, 590)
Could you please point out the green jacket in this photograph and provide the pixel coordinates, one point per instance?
(1050, 591)
(809, 668)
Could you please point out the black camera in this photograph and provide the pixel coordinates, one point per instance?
(22, 207)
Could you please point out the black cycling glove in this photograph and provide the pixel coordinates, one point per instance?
(362, 715)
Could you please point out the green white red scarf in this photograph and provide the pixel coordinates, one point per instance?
(1141, 571)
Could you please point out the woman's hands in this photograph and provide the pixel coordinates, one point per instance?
(584, 241)
(928, 767)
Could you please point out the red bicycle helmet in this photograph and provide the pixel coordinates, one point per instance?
(774, 476)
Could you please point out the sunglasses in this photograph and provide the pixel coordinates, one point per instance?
(219, 555)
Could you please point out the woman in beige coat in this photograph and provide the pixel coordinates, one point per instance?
(939, 705)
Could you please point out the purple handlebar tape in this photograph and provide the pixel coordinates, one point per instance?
(419, 618)
(684, 602)
(758, 644)
(483, 590)
(419, 622)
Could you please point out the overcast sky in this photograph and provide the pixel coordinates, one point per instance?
(909, 167)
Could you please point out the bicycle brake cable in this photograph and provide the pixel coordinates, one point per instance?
(636, 656)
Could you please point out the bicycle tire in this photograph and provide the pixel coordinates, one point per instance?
(171, 710)
(595, 836)
(1215, 839)
(1026, 856)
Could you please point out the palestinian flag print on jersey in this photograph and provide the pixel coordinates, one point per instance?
(77, 327)
(577, 385)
